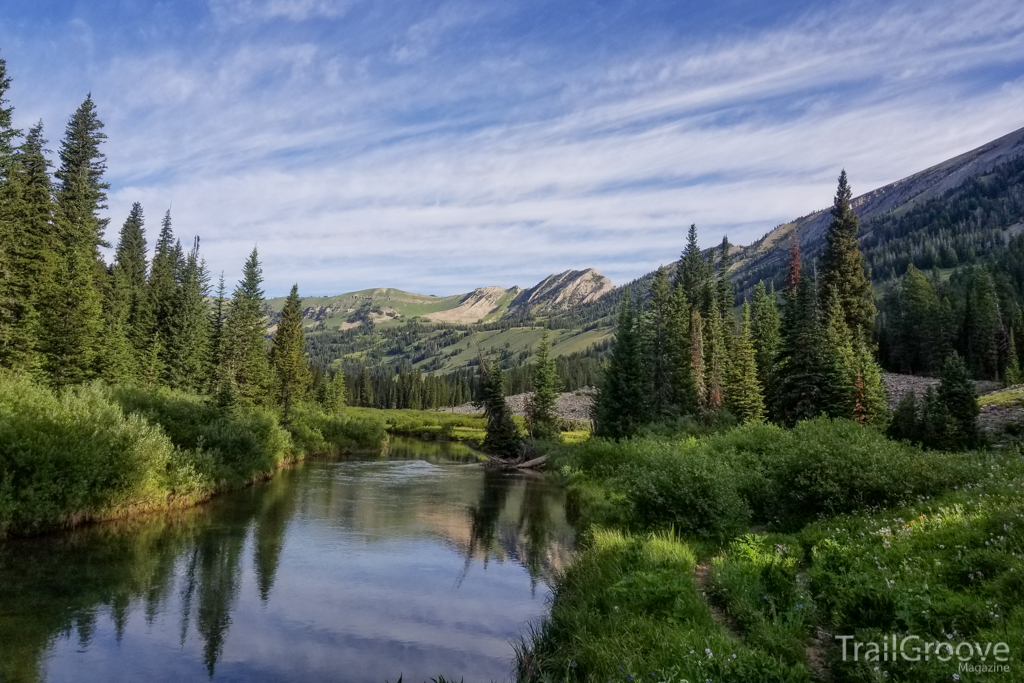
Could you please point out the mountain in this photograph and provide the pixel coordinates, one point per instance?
(555, 294)
(933, 203)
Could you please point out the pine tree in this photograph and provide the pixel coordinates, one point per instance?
(130, 267)
(794, 271)
(189, 333)
(12, 303)
(982, 326)
(698, 367)
(685, 396)
(244, 355)
(334, 394)
(745, 397)
(843, 272)
(841, 368)
(766, 332)
(541, 415)
(621, 405)
(217, 318)
(958, 397)
(655, 347)
(163, 296)
(716, 353)
(26, 216)
(725, 297)
(692, 271)
(905, 423)
(502, 434)
(288, 355)
(117, 361)
(74, 323)
(804, 371)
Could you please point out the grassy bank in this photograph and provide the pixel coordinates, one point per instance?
(96, 452)
(781, 540)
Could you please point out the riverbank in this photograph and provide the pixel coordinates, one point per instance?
(96, 452)
(741, 556)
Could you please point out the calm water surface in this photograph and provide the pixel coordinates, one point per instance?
(417, 563)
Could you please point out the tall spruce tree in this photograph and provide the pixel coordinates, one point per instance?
(698, 367)
(745, 396)
(189, 331)
(725, 296)
(26, 216)
(766, 332)
(334, 393)
(621, 405)
(983, 328)
(843, 272)
(716, 351)
(960, 401)
(131, 267)
(116, 360)
(801, 385)
(685, 395)
(692, 270)
(244, 358)
(162, 297)
(655, 347)
(502, 434)
(74, 323)
(288, 355)
(541, 415)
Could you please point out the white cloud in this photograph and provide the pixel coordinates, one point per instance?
(353, 170)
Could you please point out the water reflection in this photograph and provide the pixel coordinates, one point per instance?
(421, 563)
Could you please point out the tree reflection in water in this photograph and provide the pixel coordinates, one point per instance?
(192, 565)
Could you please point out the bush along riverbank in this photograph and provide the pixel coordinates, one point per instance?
(758, 553)
(94, 452)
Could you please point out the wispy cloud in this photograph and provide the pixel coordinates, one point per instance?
(448, 146)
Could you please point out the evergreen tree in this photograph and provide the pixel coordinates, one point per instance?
(130, 270)
(502, 434)
(841, 369)
(621, 405)
(217, 318)
(794, 271)
(697, 365)
(541, 415)
(30, 249)
(334, 394)
(843, 272)
(163, 298)
(802, 380)
(871, 405)
(957, 395)
(116, 361)
(655, 347)
(288, 354)
(745, 397)
(11, 302)
(904, 425)
(74, 323)
(766, 333)
(188, 346)
(982, 327)
(725, 297)
(716, 353)
(685, 396)
(245, 355)
(692, 270)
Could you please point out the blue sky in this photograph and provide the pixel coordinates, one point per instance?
(441, 146)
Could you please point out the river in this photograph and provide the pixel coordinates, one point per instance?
(417, 563)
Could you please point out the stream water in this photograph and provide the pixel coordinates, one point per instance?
(416, 563)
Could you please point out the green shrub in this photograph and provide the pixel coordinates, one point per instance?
(319, 433)
(245, 442)
(686, 487)
(827, 467)
(73, 456)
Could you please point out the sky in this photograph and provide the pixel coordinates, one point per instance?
(439, 146)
